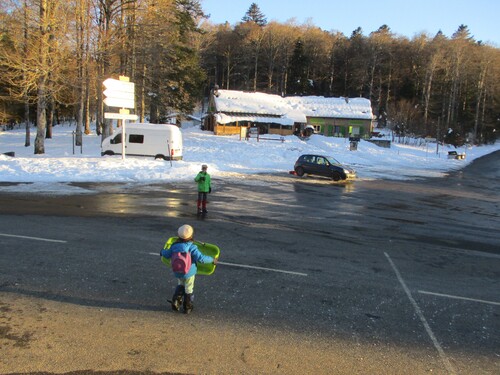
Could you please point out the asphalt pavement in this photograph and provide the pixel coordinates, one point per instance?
(383, 277)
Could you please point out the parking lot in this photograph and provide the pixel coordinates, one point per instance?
(365, 277)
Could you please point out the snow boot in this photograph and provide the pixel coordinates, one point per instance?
(204, 205)
(188, 303)
(177, 298)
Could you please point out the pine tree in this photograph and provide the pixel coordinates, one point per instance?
(298, 82)
(254, 14)
(185, 76)
(463, 33)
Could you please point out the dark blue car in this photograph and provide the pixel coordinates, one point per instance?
(326, 166)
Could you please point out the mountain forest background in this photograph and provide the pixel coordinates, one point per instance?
(55, 54)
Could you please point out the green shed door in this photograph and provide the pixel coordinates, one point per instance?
(330, 131)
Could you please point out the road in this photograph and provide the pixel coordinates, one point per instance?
(382, 277)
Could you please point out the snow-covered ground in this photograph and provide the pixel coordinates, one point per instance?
(227, 157)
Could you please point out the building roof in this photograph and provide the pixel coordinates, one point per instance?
(234, 106)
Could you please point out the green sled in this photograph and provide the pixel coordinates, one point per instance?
(205, 249)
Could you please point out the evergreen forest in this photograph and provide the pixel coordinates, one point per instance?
(55, 54)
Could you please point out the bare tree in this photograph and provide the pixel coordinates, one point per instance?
(484, 80)
(27, 141)
(55, 54)
(43, 77)
(82, 26)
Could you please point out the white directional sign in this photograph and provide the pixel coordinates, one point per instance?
(119, 93)
(120, 116)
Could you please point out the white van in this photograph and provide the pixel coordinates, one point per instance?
(161, 141)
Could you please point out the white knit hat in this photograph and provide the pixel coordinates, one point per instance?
(185, 232)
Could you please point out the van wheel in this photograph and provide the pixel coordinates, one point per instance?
(336, 176)
(109, 152)
(299, 171)
(160, 156)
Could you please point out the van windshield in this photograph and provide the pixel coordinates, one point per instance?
(116, 140)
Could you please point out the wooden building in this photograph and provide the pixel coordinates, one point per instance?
(229, 110)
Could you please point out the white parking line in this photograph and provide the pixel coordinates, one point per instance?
(457, 297)
(32, 238)
(254, 267)
(438, 347)
(263, 268)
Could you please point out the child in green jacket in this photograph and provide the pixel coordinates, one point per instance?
(203, 180)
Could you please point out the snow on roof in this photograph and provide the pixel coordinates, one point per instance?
(245, 106)
(149, 126)
(223, 118)
(319, 106)
(231, 101)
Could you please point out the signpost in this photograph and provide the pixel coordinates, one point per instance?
(120, 93)
(120, 116)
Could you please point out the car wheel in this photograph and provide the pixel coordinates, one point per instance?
(299, 171)
(108, 152)
(160, 156)
(336, 176)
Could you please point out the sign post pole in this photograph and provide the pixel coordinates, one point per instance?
(124, 111)
(124, 138)
(120, 93)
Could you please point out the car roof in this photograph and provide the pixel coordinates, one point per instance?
(312, 155)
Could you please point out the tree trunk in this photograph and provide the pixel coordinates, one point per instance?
(480, 88)
(142, 98)
(256, 64)
(27, 141)
(80, 52)
(270, 71)
(50, 118)
(86, 74)
(228, 62)
(42, 80)
(79, 119)
(427, 96)
(87, 105)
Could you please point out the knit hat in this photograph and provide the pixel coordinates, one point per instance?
(185, 232)
(204, 166)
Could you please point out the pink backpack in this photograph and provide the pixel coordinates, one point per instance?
(181, 262)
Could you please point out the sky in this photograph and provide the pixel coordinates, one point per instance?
(403, 18)
(227, 158)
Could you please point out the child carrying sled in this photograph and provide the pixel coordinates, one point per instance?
(184, 255)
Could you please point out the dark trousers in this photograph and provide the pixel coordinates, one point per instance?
(202, 200)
